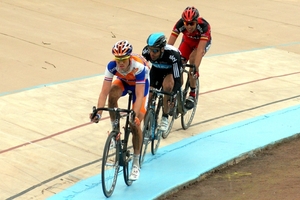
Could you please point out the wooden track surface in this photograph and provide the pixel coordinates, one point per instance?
(53, 55)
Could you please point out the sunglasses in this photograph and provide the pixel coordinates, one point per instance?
(154, 50)
(121, 58)
(189, 23)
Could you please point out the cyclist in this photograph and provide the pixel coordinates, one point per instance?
(132, 73)
(196, 41)
(165, 71)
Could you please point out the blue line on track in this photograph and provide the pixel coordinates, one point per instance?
(186, 160)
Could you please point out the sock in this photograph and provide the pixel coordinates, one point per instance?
(136, 160)
(192, 92)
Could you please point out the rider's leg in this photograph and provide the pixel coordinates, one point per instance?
(137, 139)
(167, 86)
(137, 135)
(115, 93)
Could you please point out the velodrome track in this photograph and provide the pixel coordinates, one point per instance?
(52, 60)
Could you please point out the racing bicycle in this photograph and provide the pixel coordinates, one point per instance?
(178, 108)
(151, 130)
(116, 155)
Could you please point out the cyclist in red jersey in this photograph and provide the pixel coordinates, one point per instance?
(196, 41)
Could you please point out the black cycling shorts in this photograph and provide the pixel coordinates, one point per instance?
(157, 76)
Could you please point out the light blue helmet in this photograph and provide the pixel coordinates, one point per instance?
(157, 40)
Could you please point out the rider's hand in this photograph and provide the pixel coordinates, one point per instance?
(137, 121)
(196, 75)
(96, 118)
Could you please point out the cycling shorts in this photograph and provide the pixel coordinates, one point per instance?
(125, 88)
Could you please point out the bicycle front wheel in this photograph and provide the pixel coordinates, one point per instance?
(148, 124)
(156, 132)
(110, 164)
(126, 171)
(188, 116)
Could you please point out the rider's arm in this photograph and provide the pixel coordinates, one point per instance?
(177, 84)
(200, 53)
(205, 37)
(139, 93)
(172, 39)
(108, 77)
(103, 94)
(175, 32)
(177, 68)
(140, 72)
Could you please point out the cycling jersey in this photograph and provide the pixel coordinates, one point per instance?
(190, 41)
(168, 63)
(202, 31)
(137, 74)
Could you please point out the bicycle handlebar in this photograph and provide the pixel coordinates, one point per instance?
(190, 66)
(157, 91)
(117, 110)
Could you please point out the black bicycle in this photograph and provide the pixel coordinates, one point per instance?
(178, 108)
(151, 130)
(115, 153)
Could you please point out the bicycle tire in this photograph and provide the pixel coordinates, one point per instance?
(110, 164)
(172, 116)
(157, 132)
(126, 171)
(188, 116)
(148, 124)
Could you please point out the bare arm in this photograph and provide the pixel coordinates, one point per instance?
(139, 92)
(172, 39)
(103, 94)
(200, 53)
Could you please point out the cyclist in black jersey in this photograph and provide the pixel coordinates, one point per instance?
(166, 69)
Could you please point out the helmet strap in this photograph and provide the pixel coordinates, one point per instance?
(161, 52)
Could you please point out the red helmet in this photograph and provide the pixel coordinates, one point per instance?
(122, 48)
(190, 14)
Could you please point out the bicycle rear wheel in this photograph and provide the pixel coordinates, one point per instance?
(110, 164)
(148, 124)
(188, 116)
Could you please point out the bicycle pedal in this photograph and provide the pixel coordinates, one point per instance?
(129, 159)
